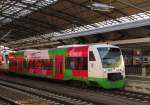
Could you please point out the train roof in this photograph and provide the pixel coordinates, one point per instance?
(74, 45)
(105, 45)
(82, 45)
(28, 50)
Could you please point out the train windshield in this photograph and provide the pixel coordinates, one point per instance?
(110, 57)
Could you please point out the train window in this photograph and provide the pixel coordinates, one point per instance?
(6, 56)
(91, 56)
(70, 63)
(76, 63)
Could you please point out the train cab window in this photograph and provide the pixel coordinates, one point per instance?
(91, 56)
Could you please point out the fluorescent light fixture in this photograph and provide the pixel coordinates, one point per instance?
(100, 7)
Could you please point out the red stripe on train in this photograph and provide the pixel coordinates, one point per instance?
(83, 73)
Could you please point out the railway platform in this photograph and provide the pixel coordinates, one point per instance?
(138, 84)
(138, 78)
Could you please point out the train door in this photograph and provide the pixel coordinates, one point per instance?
(12, 62)
(19, 64)
(59, 67)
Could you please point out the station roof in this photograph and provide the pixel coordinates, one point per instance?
(22, 21)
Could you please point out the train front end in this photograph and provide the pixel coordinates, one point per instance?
(106, 66)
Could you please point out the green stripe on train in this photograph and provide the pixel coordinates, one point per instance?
(105, 83)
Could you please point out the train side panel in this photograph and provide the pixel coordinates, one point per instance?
(76, 62)
(38, 63)
(12, 62)
(70, 63)
(58, 56)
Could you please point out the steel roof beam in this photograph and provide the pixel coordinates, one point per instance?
(53, 27)
(18, 29)
(27, 28)
(23, 8)
(20, 25)
(147, 27)
(121, 26)
(123, 33)
(100, 37)
(82, 5)
(81, 39)
(35, 45)
(7, 5)
(46, 24)
(133, 24)
(57, 28)
(53, 14)
(60, 15)
(132, 5)
(131, 41)
(37, 24)
(121, 12)
(61, 41)
(32, 21)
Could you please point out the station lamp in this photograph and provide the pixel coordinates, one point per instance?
(100, 6)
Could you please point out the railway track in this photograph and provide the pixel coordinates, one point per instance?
(5, 101)
(112, 97)
(10, 96)
(51, 98)
(133, 96)
(144, 98)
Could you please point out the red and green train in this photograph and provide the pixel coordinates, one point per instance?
(100, 65)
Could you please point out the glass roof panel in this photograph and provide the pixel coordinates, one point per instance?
(11, 10)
